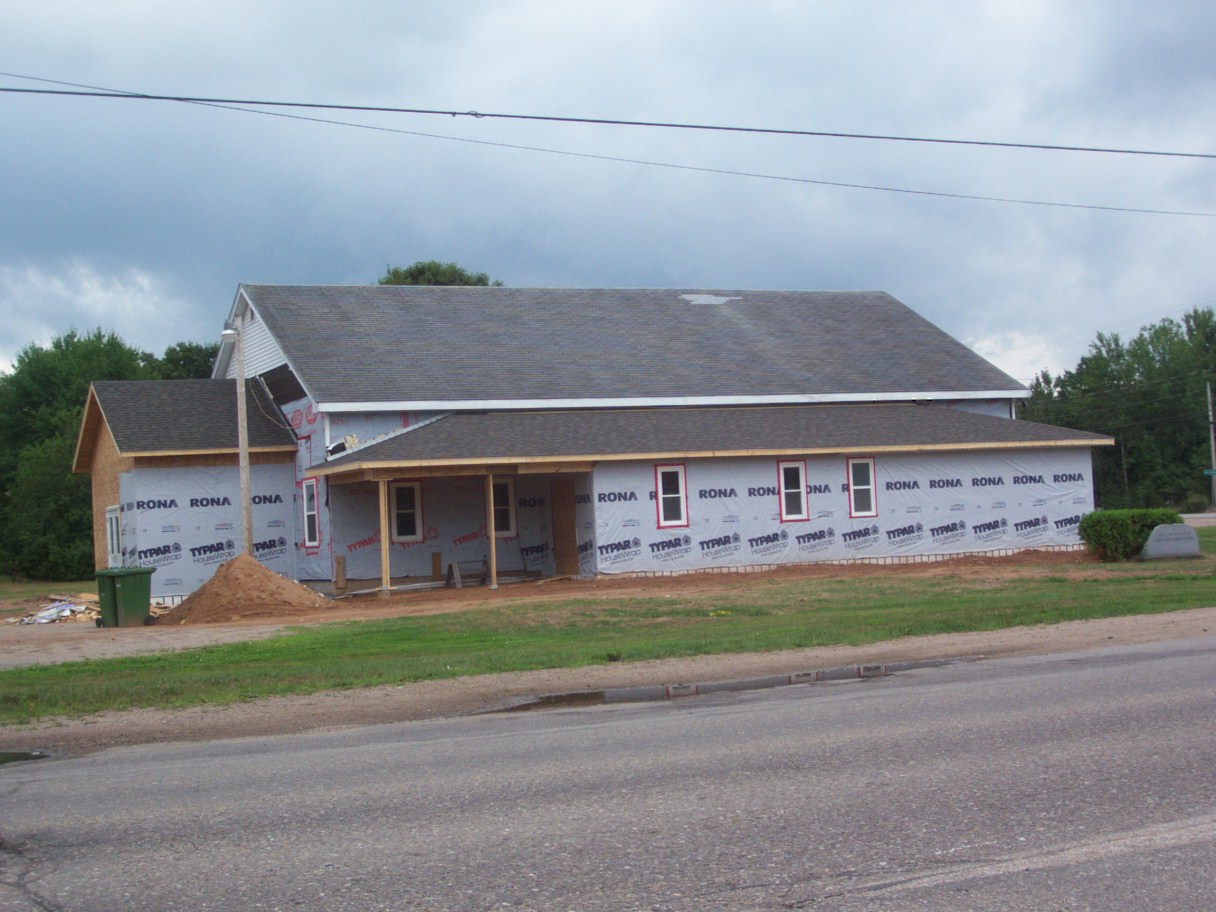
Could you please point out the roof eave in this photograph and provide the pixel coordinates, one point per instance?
(216, 451)
(480, 405)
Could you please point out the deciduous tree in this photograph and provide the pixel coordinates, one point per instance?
(432, 272)
(1149, 394)
(45, 511)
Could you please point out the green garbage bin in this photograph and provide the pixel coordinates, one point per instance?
(124, 595)
(106, 600)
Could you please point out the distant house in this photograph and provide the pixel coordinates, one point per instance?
(401, 431)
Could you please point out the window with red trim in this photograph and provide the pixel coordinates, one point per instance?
(312, 514)
(862, 499)
(792, 478)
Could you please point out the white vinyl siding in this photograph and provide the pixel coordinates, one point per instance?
(262, 352)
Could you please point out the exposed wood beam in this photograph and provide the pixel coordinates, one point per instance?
(385, 569)
(491, 531)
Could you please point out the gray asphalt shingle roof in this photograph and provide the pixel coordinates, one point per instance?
(621, 432)
(452, 344)
(148, 416)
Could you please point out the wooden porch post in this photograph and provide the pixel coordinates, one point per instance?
(490, 530)
(385, 570)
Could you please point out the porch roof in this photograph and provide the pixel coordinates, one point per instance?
(576, 439)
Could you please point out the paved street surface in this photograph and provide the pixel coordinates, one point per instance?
(1083, 781)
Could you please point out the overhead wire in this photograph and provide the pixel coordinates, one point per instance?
(95, 92)
(237, 105)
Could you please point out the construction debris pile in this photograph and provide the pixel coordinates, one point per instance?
(81, 606)
(77, 606)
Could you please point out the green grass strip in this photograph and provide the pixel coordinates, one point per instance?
(757, 614)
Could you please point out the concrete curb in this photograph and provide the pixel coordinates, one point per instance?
(662, 692)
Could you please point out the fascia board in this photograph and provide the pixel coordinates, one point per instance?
(92, 407)
(456, 405)
(887, 449)
(216, 451)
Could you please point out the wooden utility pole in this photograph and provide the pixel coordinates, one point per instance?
(1212, 442)
(242, 422)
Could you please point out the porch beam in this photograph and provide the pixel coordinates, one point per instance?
(491, 532)
(385, 570)
(396, 473)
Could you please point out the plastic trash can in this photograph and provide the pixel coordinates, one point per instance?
(124, 595)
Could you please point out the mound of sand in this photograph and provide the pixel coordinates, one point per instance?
(243, 589)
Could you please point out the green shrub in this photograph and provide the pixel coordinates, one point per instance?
(1118, 535)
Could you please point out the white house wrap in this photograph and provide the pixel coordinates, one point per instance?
(187, 521)
(926, 505)
(594, 430)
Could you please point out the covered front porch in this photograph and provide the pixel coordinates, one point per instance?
(414, 525)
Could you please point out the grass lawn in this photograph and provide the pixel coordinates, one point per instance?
(762, 615)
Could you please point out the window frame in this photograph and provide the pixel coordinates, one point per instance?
(681, 473)
(509, 484)
(872, 487)
(804, 514)
(420, 533)
(113, 536)
(307, 485)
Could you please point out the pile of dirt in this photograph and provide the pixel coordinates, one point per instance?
(242, 589)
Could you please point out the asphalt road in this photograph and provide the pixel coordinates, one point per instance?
(1071, 782)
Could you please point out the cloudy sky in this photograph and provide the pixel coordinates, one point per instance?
(144, 216)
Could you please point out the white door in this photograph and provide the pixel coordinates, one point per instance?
(113, 537)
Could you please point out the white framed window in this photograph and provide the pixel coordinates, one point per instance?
(504, 508)
(113, 537)
(407, 512)
(671, 496)
(862, 500)
(792, 485)
(312, 513)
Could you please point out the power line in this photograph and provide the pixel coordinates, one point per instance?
(235, 106)
(611, 122)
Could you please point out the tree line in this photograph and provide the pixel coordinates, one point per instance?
(1150, 394)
